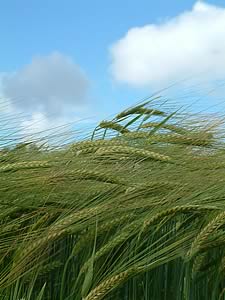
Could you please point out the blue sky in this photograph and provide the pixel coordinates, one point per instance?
(84, 32)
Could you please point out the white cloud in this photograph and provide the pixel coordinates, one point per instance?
(51, 84)
(191, 44)
(43, 130)
(35, 124)
(43, 97)
(39, 128)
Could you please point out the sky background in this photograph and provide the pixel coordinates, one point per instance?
(65, 60)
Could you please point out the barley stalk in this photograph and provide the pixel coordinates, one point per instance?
(44, 269)
(139, 110)
(113, 126)
(95, 144)
(101, 229)
(133, 151)
(174, 210)
(203, 236)
(24, 165)
(88, 175)
(136, 135)
(117, 240)
(197, 264)
(61, 227)
(106, 286)
(180, 139)
(222, 265)
(165, 126)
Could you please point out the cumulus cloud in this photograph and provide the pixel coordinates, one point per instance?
(51, 84)
(190, 44)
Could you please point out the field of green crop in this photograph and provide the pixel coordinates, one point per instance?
(134, 211)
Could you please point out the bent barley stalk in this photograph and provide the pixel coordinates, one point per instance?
(126, 233)
(133, 192)
(52, 266)
(114, 281)
(61, 228)
(140, 110)
(105, 287)
(113, 126)
(24, 165)
(101, 229)
(136, 135)
(174, 211)
(171, 127)
(95, 144)
(181, 139)
(134, 152)
(197, 264)
(89, 175)
(202, 237)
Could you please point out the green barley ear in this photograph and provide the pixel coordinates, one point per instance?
(170, 127)
(133, 151)
(114, 126)
(139, 109)
(24, 165)
(106, 286)
(90, 271)
(204, 234)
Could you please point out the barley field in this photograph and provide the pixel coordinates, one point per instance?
(134, 210)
